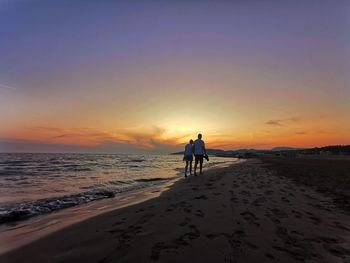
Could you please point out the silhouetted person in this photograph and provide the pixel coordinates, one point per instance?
(199, 153)
(188, 156)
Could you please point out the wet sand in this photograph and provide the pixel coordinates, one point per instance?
(244, 213)
(23, 232)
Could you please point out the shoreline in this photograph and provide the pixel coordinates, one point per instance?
(240, 213)
(19, 233)
(107, 177)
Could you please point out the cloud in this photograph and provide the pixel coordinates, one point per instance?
(3, 86)
(282, 122)
(275, 122)
(154, 138)
(34, 146)
(300, 132)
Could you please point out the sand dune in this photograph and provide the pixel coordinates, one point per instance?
(244, 213)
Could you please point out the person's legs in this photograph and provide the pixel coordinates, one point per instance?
(200, 165)
(195, 165)
(190, 167)
(186, 168)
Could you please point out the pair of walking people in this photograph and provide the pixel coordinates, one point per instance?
(196, 148)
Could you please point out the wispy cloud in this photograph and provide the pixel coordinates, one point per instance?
(282, 122)
(145, 137)
(3, 86)
(275, 122)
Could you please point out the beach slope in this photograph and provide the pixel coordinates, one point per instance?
(243, 213)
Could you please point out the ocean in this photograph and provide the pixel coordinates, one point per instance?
(35, 184)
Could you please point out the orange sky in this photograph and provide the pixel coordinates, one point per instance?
(244, 75)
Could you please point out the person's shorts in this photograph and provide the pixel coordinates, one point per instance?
(199, 157)
(189, 158)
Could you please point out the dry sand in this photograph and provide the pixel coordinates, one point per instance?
(244, 213)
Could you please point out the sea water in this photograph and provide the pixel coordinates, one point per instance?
(34, 184)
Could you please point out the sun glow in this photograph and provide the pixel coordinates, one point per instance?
(141, 82)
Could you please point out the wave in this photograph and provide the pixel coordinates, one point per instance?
(137, 160)
(10, 213)
(151, 179)
(24, 210)
(49, 176)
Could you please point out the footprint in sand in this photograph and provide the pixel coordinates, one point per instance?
(144, 219)
(184, 240)
(251, 245)
(118, 223)
(124, 236)
(234, 199)
(233, 238)
(268, 192)
(261, 185)
(340, 226)
(250, 218)
(245, 201)
(199, 213)
(243, 182)
(315, 220)
(245, 193)
(297, 214)
(310, 196)
(158, 248)
(295, 245)
(185, 221)
(285, 200)
(269, 256)
(275, 215)
(187, 207)
(259, 201)
(294, 232)
(250, 186)
(204, 197)
(332, 246)
(273, 218)
(279, 213)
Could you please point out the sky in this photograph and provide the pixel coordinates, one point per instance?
(147, 76)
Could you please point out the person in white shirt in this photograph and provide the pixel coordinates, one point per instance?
(188, 156)
(199, 153)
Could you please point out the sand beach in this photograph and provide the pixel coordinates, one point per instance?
(247, 212)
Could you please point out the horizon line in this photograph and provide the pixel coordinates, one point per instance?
(154, 153)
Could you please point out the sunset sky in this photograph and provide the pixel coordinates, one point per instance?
(147, 76)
